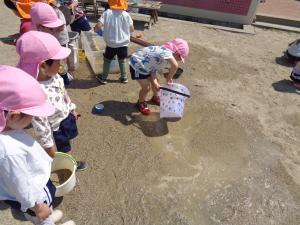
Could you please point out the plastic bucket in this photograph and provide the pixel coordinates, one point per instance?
(172, 99)
(64, 161)
(73, 45)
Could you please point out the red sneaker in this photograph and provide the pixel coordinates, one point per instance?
(156, 100)
(143, 108)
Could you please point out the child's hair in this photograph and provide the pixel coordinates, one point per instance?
(49, 62)
(9, 4)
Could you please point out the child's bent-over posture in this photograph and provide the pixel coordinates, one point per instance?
(24, 166)
(147, 61)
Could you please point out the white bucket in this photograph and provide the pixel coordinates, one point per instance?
(64, 161)
(73, 45)
(172, 99)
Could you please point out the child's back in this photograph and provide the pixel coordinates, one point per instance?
(116, 25)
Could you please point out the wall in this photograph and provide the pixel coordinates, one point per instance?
(238, 11)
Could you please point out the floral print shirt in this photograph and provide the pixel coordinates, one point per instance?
(57, 95)
(149, 59)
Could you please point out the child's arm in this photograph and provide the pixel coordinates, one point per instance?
(154, 81)
(41, 210)
(173, 69)
(43, 132)
(130, 21)
(98, 26)
(131, 28)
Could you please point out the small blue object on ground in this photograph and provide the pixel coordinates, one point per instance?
(99, 108)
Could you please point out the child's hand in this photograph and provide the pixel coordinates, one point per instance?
(42, 210)
(75, 114)
(169, 81)
(156, 86)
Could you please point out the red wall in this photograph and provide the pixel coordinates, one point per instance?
(239, 7)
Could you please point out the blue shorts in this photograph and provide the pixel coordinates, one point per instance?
(141, 76)
(67, 131)
(81, 24)
(50, 190)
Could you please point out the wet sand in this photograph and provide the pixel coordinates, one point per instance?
(232, 159)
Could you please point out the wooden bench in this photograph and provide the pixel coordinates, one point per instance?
(151, 6)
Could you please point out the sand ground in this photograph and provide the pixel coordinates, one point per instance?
(233, 159)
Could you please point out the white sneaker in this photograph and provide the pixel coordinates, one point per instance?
(56, 215)
(70, 222)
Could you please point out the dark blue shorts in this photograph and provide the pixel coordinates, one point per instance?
(141, 76)
(121, 52)
(50, 190)
(67, 131)
(81, 24)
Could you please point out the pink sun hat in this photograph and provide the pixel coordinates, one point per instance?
(43, 14)
(179, 46)
(20, 92)
(35, 47)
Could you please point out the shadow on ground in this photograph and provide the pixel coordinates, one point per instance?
(18, 215)
(127, 114)
(284, 61)
(285, 86)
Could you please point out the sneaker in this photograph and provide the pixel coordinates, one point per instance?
(143, 108)
(56, 215)
(70, 222)
(156, 100)
(101, 80)
(81, 165)
(123, 80)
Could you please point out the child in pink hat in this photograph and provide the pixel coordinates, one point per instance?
(24, 166)
(45, 19)
(48, 18)
(147, 61)
(40, 55)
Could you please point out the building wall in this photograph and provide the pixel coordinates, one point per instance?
(238, 11)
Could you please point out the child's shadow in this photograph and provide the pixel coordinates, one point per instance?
(127, 114)
(284, 61)
(17, 214)
(285, 86)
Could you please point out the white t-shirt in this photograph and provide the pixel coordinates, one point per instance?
(150, 59)
(116, 28)
(25, 169)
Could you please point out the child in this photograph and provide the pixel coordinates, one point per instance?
(40, 55)
(295, 75)
(117, 25)
(24, 166)
(45, 19)
(146, 62)
(25, 23)
(49, 19)
(80, 22)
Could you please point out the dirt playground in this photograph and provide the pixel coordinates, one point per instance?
(233, 159)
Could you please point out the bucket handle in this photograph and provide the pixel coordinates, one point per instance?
(68, 156)
(176, 92)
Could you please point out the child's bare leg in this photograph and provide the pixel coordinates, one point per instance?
(154, 85)
(145, 88)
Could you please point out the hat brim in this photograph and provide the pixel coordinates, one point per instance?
(30, 68)
(55, 24)
(44, 110)
(63, 53)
